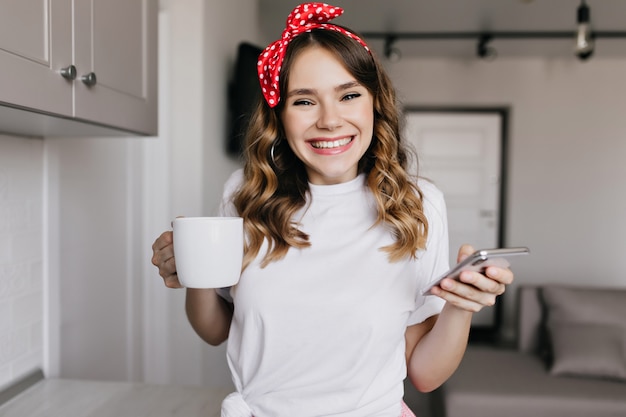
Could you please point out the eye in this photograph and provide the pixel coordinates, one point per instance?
(351, 96)
(302, 102)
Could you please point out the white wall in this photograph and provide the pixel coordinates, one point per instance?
(92, 184)
(566, 194)
(21, 257)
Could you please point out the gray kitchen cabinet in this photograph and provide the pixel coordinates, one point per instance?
(78, 67)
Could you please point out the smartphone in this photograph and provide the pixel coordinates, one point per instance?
(480, 260)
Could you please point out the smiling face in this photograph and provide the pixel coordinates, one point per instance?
(328, 117)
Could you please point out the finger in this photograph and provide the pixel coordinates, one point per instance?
(163, 255)
(459, 301)
(167, 267)
(479, 289)
(465, 251)
(502, 275)
(165, 239)
(167, 270)
(171, 281)
(483, 283)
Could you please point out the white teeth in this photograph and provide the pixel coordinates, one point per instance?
(331, 144)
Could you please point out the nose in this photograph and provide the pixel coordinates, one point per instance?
(329, 117)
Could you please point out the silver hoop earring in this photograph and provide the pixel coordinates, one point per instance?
(272, 153)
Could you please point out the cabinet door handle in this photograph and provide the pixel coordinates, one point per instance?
(69, 73)
(89, 80)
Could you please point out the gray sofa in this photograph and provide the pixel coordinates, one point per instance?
(570, 360)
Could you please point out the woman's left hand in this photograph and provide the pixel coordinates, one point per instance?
(474, 290)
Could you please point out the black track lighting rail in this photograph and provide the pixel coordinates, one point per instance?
(398, 36)
(484, 39)
(584, 37)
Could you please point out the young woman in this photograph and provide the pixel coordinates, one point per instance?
(328, 316)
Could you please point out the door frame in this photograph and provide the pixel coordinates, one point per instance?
(485, 333)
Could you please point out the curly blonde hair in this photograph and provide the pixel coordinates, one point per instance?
(275, 181)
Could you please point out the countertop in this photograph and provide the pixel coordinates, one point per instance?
(78, 398)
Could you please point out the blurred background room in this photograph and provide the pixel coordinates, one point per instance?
(82, 201)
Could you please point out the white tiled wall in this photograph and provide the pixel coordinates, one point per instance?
(21, 257)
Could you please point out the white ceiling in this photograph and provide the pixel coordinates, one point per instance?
(469, 16)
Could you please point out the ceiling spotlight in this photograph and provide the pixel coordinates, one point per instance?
(392, 53)
(484, 50)
(584, 37)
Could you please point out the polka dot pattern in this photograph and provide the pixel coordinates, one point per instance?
(303, 18)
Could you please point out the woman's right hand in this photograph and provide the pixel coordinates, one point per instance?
(209, 314)
(163, 258)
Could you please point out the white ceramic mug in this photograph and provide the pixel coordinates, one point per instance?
(208, 251)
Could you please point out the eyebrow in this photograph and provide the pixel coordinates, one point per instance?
(312, 91)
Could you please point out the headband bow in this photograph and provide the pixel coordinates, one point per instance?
(304, 18)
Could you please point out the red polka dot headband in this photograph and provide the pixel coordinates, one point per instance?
(304, 18)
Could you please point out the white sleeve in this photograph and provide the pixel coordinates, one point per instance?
(435, 259)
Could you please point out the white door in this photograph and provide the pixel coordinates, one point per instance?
(462, 154)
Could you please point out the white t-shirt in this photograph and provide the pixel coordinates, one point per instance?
(321, 332)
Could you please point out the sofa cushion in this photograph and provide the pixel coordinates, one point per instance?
(588, 350)
(587, 331)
